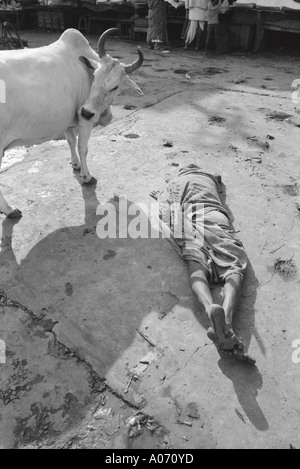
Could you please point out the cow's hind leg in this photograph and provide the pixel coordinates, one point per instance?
(9, 211)
(71, 136)
(84, 132)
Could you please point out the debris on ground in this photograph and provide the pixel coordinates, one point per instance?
(238, 81)
(130, 107)
(254, 159)
(103, 413)
(258, 142)
(135, 424)
(88, 231)
(234, 148)
(146, 338)
(163, 314)
(132, 136)
(275, 250)
(184, 422)
(216, 120)
(285, 268)
(133, 376)
(240, 415)
(143, 364)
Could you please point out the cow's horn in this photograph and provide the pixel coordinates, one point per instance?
(102, 39)
(136, 64)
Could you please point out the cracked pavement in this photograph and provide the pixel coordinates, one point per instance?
(106, 346)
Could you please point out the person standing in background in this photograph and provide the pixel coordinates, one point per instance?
(157, 24)
(197, 18)
(157, 34)
(213, 22)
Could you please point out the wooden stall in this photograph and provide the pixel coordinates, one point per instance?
(17, 14)
(267, 15)
(243, 27)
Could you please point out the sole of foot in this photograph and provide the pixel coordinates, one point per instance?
(236, 351)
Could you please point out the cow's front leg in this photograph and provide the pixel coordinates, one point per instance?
(84, 133)
(71, 136)
(9, 211)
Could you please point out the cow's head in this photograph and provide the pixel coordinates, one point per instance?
(107, 77)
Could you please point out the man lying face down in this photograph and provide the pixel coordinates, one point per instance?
(190, 207)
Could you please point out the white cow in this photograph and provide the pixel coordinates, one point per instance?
(64, 87)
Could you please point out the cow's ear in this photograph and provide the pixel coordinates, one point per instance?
(133, 85)
(90, 64)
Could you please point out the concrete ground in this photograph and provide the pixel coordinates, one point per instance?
(106, 346)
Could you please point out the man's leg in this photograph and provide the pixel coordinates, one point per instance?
(231, 295)
(224, 336)
(200, 285)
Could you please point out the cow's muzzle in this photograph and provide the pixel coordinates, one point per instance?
(87, 114)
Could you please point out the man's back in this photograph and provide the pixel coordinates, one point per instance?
(193, 186)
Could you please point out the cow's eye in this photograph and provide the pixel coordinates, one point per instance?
(115, 88)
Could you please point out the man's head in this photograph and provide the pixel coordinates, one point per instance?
(107, 77)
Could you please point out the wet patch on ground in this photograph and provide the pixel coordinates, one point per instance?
(109, 255)
(132, 136)
(291, 189)
(278, 115)
(214, 71)
(180, 71)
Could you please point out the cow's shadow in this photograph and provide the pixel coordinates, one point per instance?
(91, 295)
(99, 290)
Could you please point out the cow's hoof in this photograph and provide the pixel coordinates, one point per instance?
(75, 167)
(15, 214)
(90, 182)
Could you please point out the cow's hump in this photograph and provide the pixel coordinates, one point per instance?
(74, 38)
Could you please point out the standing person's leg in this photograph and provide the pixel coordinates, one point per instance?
(216, 34)
(191, 32)
(200, 34)
(209, 33)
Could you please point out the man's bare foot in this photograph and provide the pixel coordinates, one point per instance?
(225, 337)
(212, 336)
(237, 351)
